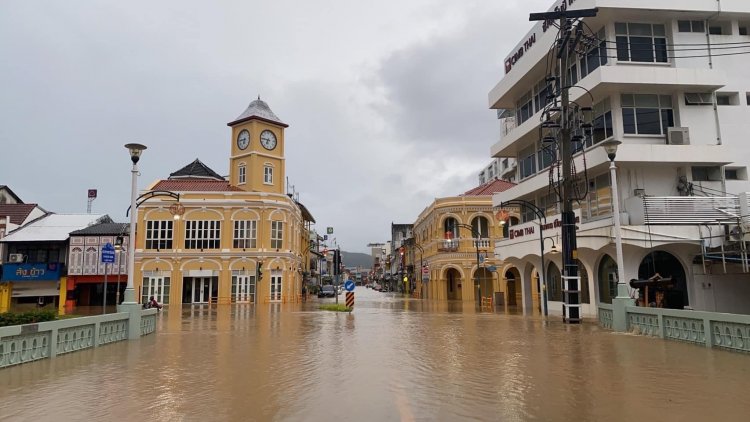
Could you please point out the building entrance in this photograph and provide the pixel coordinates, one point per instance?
(200, 289)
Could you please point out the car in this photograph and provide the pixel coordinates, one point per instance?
(327, 291)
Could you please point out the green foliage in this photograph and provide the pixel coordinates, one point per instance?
(29, 317)
(336, 308)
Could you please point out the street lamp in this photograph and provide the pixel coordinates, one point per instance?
(542, 222)
(135, 154)
(611, 148)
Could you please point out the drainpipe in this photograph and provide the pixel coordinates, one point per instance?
(711, 66)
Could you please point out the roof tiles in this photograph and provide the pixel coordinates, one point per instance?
(492, 187)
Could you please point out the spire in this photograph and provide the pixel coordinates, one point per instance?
(258, 109)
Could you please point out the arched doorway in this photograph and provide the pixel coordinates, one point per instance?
(453, 278)
(513, 286)
(482, 284)
(585, 296)
(672, 295)
(607, 279)
(554, 283)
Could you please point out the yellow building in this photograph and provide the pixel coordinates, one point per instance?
(452, 232)
(211, 245)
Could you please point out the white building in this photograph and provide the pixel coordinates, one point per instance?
(669, 80)
(499, 168)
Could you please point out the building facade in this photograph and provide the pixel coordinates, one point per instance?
(456, 237)
(659, 78)
(236, 240)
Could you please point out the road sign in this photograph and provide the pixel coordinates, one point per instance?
(349, 286)
(425, 270)
(108, 254)
(350, 300)
(492, 268)
(329, 230)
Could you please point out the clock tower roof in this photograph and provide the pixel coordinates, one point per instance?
(258, 109)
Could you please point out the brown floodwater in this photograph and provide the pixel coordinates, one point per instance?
(392, 359)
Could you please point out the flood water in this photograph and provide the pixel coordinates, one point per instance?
(392, 359)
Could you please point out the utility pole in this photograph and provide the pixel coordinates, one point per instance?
(571, 280)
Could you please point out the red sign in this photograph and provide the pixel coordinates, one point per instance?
(425, 270)
(92, 193)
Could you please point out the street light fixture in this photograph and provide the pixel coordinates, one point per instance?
(135, 154)
(611, 148)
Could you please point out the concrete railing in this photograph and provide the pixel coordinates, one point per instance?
(709, 329)
(30, 342)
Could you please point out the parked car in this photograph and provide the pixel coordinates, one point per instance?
(327, 291)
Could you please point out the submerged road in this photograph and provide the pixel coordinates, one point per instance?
(392, 359)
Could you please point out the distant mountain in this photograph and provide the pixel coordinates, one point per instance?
(356, 259)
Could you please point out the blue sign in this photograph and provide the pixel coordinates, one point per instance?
(349, 286)
(492, 268)
(108, 254)
(32, 272)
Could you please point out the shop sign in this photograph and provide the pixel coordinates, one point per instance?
(530, 40)
(528, 229)
(32, 272)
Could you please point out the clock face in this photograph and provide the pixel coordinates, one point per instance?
(243, 139)
(268, 139)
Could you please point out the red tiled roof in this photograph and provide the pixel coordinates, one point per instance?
(489, 188)
(196, 185)
(16, 212)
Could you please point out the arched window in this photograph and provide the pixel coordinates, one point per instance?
(450, 228)
(481, 226)
(607, 279)
(554, 282)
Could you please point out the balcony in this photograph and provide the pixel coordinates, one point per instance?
(453, 245)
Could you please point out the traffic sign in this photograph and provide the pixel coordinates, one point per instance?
(425, 270)
(350, 300)
(492, 268)
(108, 254)
(329, 230)
(349, 286)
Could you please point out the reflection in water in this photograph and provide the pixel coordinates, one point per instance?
(391, 359)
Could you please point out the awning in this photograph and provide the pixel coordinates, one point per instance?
(36, 288)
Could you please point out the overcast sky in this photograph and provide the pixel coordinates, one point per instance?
(386, 100)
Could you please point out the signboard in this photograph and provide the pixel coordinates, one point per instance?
(492, 268)
(108, 254)
(349, 286)
(31, 272)
(425, 270)
(92, 193)
(329, 230)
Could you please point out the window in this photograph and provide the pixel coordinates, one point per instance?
(527, 213)
(527, 161)
(268, 175)
(601, 124)
(541, 91)
(277, 234)
(242, 175)
(202, 234)
(546, 155)
(720, 28)
(727, 98)
(735, 173)
(706, 173)
(480, 226)
(245, 232)
(598, 201)
(641, 42)
(90, 260)
(524, 108)
(691, 26)
(647, 114)
(159, 234)
(743, 30)
(698, 98)
(595, 55)
(548, 204)
(450, 228)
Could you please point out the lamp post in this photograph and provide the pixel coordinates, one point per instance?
(421, 266)
(135, 154)
(611, 148)
(542, 222)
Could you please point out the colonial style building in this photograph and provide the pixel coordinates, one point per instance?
(454, 238)
(668, 79)
(241, 239)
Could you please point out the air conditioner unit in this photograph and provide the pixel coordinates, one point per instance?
(739, 232)
(678, 136)
(15, 257)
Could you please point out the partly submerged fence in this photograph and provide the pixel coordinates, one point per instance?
(710, 329)
(30, 342)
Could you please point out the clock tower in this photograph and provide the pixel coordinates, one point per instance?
(256, 163)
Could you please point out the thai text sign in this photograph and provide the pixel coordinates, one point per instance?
(31, 272)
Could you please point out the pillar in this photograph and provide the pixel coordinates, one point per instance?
(5, 295)
(63, 295)
(526, 288)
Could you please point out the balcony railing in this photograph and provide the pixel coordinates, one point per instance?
(688, 210)
(452, 245)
